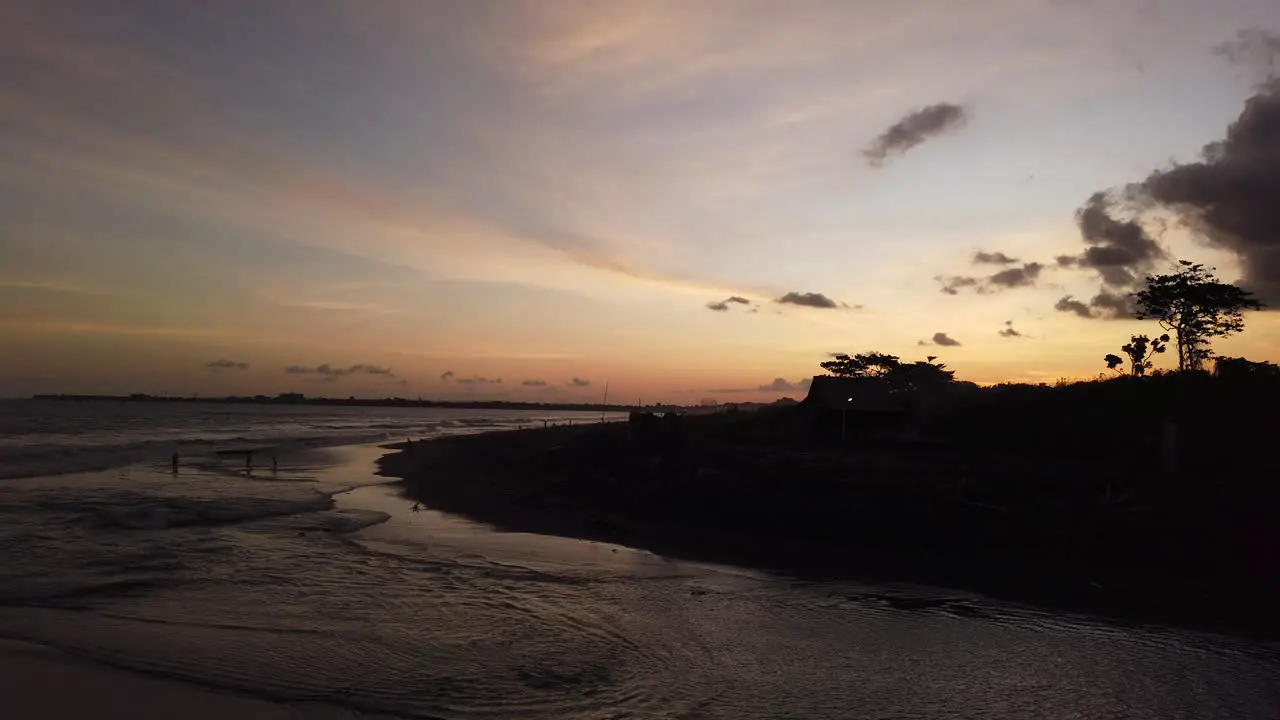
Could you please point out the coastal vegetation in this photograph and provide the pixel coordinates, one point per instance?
(1146, 493)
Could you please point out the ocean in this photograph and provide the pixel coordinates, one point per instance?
(316, 582)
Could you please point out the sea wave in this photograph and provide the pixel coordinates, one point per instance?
(49, 439)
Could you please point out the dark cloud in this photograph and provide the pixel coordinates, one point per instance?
(579, 382)
(1122, 253)
(1024, 276)
(1071, 305)
(1106, 305)
(534, 383)
(1227, 198)
(227, 365)
(940, 339)
(1009, 331)
(953, 285)
(813, 300)
(992, 258)
(1014, 277)
(782, 385)
(723, 305)
(328, 371)
(913, 129)
(1230, 197)
(447, 375)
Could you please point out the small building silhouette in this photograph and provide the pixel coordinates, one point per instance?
(855, 408)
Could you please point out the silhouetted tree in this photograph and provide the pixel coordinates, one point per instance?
(1139, 351)
(868, 364)
(921, 374)
(1195, 306)
(899, 376)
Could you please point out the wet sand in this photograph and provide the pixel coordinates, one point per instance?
(40, 683)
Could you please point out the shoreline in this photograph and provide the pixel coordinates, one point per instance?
(468, 476)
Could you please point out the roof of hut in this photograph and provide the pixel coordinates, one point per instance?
(865, 394)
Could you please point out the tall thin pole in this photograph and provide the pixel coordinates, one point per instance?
(605, 401)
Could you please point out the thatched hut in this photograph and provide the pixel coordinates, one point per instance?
(855, 408)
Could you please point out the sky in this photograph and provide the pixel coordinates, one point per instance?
(527, 199)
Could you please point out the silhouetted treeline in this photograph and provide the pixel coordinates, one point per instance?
(1057, 491)
(297, 399)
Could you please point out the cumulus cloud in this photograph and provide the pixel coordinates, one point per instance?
(448, 375)
(992, 258)
(1228, 197)
(913, 129)
(1025, 275)
(1009, 331)
(578, 382)
(723, 305)
(941, 339)
(783, 385)
(813, 300)
(330, 372)
(1121, 251)
(221, 364)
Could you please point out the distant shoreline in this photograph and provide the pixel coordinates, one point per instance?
(293, 400)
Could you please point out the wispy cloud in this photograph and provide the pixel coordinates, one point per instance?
(60, 286)
(579, 382)
(723, 305)
(782, 385)
(332, 372)
(992, 258)
(534, 383)
(915, 128)
(222, 364)
(477, 380)
(1008, 330)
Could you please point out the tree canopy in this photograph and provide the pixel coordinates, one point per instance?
(899, 375)
(1194, 305)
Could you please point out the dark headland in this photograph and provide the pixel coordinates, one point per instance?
(1064, 496)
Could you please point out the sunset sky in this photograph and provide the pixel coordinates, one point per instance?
(683, 199)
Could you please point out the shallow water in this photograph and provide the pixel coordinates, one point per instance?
(43, 437)
(266, 585)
